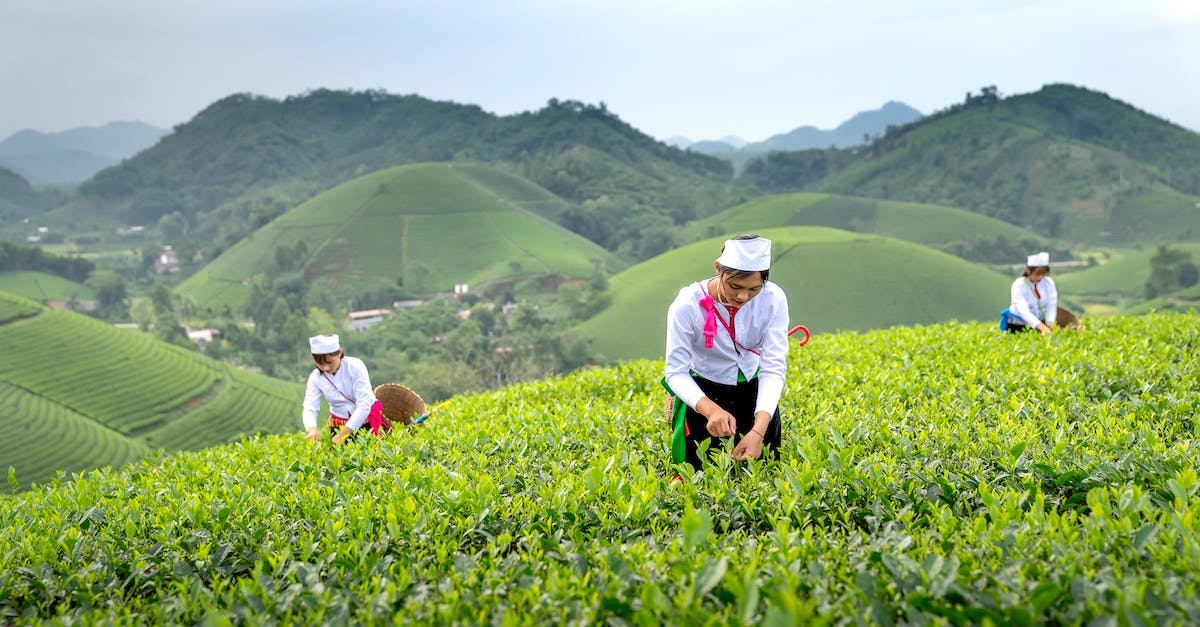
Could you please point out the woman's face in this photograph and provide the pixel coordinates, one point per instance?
(1037, 274)
(739, 291)
(331, 364)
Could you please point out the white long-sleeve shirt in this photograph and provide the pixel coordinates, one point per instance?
(760, 324)
(1038, 307)
(348, 391)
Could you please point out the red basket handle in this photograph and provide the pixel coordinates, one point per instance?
(801, 327)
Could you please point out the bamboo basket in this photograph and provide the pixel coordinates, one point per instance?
(400, 404)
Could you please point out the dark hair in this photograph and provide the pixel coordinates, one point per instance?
(323, 358)
(741, 274)
(1029, 269)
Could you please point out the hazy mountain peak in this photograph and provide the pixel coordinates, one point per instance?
(75, 154)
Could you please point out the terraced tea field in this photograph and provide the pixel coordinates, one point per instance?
(79, 394)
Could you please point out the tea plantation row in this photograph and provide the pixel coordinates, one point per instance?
(946, 473)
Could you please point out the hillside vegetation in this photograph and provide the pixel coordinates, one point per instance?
(963, 233)
(948, 473)
(835, 280)
(421, 228)
(43, 287)
(1068, 162)
(245, 159)
(82, 394)
(1123, 277)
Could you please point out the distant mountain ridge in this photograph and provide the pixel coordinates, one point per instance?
(1065, 161)
(75, 155)
(855, 131)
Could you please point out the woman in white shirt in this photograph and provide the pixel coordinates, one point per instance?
(344, 382)
(1034, 301)
(726, 356)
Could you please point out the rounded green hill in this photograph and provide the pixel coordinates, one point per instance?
(424, 227)
(835, 280)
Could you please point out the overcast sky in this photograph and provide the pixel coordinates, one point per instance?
(697, 68)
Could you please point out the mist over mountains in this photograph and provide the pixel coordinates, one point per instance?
(74, 155)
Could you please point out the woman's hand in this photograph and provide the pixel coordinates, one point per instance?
(721, 424)
(314, 434)
(749, 448)
(342, 435)
(1044, 328)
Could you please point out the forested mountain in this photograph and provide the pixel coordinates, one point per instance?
(1066, 161)
(19, 200)
(246, 158)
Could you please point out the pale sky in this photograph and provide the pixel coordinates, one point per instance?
(697, 68)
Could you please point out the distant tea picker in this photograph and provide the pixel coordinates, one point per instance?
(344, 382)
(1034, 301)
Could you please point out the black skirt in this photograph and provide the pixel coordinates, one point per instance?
(738, 400)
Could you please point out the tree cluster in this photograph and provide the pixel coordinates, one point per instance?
(1171, 270)
(14, 257)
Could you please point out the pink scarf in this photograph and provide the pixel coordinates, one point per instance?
(710, 319)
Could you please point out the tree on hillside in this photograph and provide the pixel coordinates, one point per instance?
(1171, 269)
(110, 293)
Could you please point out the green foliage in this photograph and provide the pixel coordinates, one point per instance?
(1171, 269)
(111, 291)
(14, 257)
(81, 394)
(444, 348)
(928, 475)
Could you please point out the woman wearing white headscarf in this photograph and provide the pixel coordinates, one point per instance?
(1034, 301)
(343, 381)
(726, 356)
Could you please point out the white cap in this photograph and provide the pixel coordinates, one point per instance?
(1040, 260)
(746, 254)
(324, 344)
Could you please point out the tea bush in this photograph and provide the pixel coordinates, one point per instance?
(947, 473)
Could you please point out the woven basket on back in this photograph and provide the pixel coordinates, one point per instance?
(400, 404)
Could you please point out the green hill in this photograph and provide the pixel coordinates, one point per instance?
(246, 159)
(1064, 161)
(968, 234)
(928, 475)
(43, 287)
(424, 227)
(1122, 277)
(81, 394)
(835, 280)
